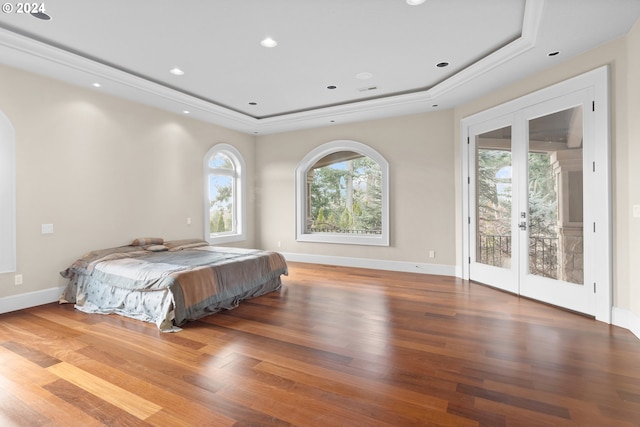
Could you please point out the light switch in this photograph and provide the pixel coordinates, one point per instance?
(47, 228)
(636, 211)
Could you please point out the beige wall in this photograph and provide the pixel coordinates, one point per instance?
(103, 171)
(420, 155)
(633, 167)
(614, 54)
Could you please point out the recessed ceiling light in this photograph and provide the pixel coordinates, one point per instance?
(176, 71)
(415, 2)
(186, 112)
(269, 42)
(331, 87)
(554, 53)
(96, 85)
(434, 105)
(364, 76)
(442, 64)
(253, 103)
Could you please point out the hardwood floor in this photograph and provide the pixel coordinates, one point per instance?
(336, 347)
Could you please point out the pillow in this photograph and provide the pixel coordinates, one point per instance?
(157, 248)
(143, 241)
(178, 245)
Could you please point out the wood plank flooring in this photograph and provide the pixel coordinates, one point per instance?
(335, 347)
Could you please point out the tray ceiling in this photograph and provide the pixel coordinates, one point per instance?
(335, 61)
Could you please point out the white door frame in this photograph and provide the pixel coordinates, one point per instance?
(596, 81)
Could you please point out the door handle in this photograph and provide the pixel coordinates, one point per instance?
(523, 225)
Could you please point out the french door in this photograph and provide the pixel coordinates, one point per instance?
(530, 206)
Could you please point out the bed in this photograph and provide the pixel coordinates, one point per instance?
(170, 283)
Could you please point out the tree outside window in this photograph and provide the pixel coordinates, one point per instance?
(345, 195)
(221, 178)
(342, 190)
(223, 195)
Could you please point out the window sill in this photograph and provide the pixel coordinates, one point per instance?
(377, 240)
(227, 238)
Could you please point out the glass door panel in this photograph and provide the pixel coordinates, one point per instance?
(553, 253)
(491, 182)
(493, 190)
(556, 196)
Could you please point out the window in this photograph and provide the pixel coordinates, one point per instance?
(224, 195)
(342, 195)
(7, 196)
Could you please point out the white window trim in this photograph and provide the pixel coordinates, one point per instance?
(239, 202)
(7, 196)
(301, 178)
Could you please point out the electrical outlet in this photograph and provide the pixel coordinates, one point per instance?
(189, 221)
(17, 279)
(432, 254)
(279, 243)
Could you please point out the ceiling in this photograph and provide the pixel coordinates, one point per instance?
(336, 61)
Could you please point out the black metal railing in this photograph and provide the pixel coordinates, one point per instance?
(494, 250)
(331, 228)
(543, 256)
(543, 253)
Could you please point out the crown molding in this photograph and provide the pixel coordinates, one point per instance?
(24, 52)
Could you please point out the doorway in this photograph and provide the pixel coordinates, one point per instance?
(535, 223)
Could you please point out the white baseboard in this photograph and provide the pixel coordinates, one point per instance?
(626, 319)
(30, 299)
(459, 271)
(407, 267)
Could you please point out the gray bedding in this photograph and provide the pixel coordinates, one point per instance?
(170, 283)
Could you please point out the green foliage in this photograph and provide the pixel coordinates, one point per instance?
(348, 193)
(215, 221)
(224, 195)
(220, 222)
(356, 209)
(332, 219)
(543, 204)
(346, 221)
(321, 219)
(221, 202)
(494, 192)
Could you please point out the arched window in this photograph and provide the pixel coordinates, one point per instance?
(224, 213)
(342, 195)
(7, 196)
